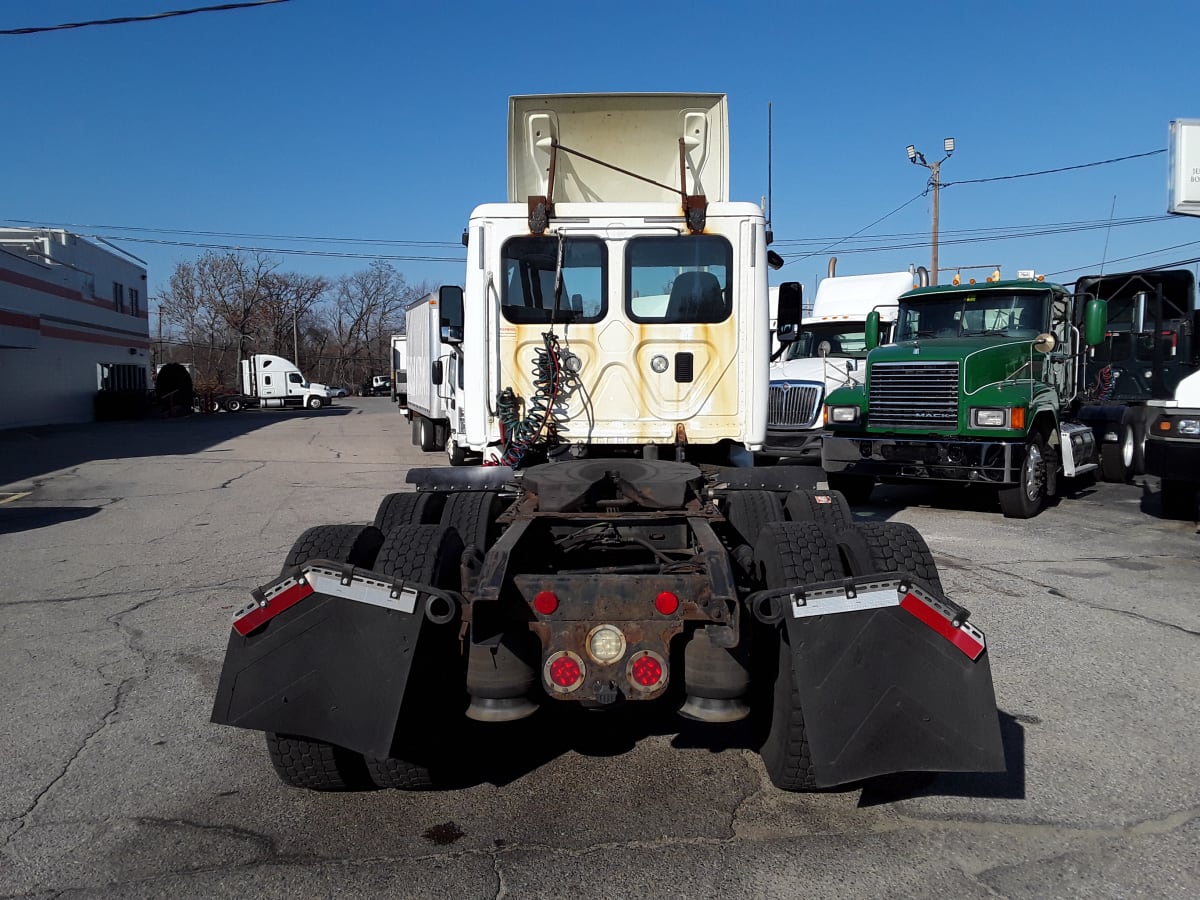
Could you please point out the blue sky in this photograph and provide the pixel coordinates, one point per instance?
(386, 121)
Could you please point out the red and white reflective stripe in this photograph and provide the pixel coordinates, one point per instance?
(328, 581)
(277, 598)
(942, 619)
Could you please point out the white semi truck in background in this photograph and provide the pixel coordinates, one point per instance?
(826, 353)
(616, 310)
(272, 382)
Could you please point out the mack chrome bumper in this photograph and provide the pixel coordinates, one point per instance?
(935, 459)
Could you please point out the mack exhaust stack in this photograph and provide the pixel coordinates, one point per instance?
(608, 357)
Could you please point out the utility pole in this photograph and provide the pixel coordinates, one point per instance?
(295, 339)
(917, 158)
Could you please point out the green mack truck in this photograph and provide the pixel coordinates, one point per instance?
(982, 385)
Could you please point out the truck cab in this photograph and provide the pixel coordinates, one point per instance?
(609, 313)
(981, 385)
(828, 351)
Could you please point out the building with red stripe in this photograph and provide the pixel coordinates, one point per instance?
(73, 321)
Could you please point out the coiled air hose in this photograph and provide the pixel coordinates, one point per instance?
(546, 415)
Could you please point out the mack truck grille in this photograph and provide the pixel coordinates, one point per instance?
(914, 395)
(793, 404)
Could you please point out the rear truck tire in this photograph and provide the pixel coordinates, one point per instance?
(354, 544)
(427, 439)
(422, 753)
(409, 508)
(315, 765)
(300, 761)
(749, 511)
(315, 402)
(870, 547)
(1025, 499)
(823, 507)
(1178, 499)
(234, 404)
(473, 514)
(855, 488)
(455, 454)
(788, 553)
(1112, 467)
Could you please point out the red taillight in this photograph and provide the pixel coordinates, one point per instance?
(565, 672)
(545, 602)
(646, 671)
(666, 603)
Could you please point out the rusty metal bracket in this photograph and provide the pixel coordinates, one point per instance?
(695, 206)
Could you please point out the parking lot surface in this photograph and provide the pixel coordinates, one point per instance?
(126, 547)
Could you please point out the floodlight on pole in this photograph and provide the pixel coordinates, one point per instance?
(917, 158)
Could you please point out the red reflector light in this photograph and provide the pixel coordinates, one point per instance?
(545, 602)
(646, 671)
(666, 603)
(963, 636)
(565, 672)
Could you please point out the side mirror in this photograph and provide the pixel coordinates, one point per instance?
(1095, 322)
(787, 334)
(791, 306)
(436, 374)
(872, 329)
(774, 260)
(450, 313)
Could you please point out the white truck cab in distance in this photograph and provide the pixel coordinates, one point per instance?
(272, 382)
(825, 353)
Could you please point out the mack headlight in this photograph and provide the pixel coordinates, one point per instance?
(842, 415)
(998, 417)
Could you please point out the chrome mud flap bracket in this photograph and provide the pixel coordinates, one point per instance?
(891, 678)
(325, 651)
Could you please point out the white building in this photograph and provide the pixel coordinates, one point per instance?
(73, 321)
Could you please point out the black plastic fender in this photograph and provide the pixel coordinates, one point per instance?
(328, 668)
(883, 690)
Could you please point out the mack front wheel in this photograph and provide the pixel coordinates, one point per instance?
(1025, 499)
(788, 553)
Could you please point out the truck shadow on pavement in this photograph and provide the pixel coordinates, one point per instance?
(1006, 785)
(534, 742)
(887, 499)
(28, 518)
(28, 453)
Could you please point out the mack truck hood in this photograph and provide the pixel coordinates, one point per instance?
(985, 360)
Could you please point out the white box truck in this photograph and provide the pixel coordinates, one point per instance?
(429, 401)
(272, 382)
(826, 353)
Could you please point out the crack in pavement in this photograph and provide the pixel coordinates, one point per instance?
(133, 642)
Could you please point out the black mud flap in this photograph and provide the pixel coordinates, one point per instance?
(894, 689)
(328, 668)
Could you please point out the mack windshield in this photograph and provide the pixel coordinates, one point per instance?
(1018, 315)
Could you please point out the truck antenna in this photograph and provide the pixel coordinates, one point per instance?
(769, 154)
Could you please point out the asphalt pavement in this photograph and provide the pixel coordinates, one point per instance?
(126, 547)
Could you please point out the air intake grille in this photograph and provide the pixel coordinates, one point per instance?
(793, 404)
(914, 395)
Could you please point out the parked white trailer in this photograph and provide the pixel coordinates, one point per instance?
(272, 382)
(826, 354)
(400, 370)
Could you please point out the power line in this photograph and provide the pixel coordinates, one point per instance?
(860, 231)
(1102, 162)
(125, 20)
(1080, 225)
(1134, 256)
(247, 236)
(291, 251)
